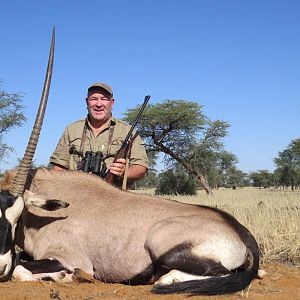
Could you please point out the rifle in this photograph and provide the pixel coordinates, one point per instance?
(123, 151)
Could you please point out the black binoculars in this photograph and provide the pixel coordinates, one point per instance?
(93, 163)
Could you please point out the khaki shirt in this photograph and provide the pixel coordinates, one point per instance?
(72, 138)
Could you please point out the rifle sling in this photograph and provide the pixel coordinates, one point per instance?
(83, 136)
(111, 132)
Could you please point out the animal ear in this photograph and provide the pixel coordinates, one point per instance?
(32, 199)
(53, 204)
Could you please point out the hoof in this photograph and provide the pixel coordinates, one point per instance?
(82, 276)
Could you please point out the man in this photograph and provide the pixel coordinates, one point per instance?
(100, 131)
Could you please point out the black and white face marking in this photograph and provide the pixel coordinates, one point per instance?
(10, 211)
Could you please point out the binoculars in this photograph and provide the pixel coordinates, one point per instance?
(93, 163)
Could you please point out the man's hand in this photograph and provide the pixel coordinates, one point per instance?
(118, 168)
(134, 171)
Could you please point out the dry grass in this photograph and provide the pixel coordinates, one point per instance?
(273, 216)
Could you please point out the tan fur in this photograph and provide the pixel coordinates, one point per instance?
(7, 180)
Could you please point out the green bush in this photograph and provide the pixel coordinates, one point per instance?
(176, 183)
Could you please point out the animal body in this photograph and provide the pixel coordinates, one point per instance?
(123, 237)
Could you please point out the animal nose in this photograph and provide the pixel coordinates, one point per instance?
(2, 269)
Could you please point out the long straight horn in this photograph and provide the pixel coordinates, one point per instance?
(18, 185)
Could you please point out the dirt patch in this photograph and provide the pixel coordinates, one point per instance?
(281, 282)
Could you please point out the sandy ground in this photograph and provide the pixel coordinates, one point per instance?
(281, 282)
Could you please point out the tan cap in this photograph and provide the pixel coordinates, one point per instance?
(101, 85)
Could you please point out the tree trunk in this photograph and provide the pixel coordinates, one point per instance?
(187, 166)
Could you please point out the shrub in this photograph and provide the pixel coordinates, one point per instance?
(176, 183)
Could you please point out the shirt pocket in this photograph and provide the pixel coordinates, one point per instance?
(75, 145)
(116, 145)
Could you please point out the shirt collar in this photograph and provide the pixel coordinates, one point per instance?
(113, 122)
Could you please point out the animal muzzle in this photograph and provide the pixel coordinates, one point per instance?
(5, 263)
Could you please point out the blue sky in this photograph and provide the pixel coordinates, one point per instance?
(240, 59)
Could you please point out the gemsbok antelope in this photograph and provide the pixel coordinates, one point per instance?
(83, 225)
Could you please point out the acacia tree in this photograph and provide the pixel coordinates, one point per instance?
(262, 178)
(288, 165)
(179, 129)
(226, 162)
(11, 116)
(213, 161)
(235, 178)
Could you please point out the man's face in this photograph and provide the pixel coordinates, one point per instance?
(99, 105)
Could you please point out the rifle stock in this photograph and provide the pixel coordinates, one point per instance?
(122, 153)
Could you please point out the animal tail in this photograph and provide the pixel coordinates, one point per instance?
(214, 285)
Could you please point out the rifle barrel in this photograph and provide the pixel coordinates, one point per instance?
(146, 99)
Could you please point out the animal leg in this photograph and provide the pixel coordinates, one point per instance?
(22, 274)
(186, 266)
(50, 269)
(43, 266)
(200, 274)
